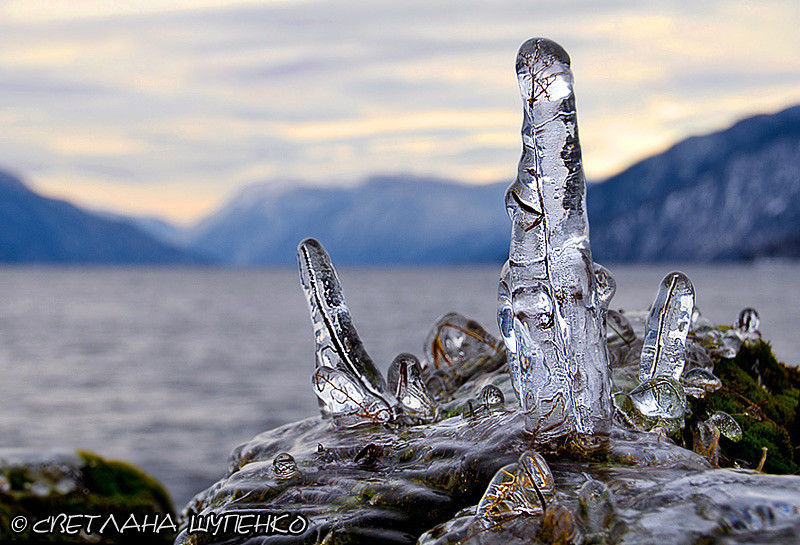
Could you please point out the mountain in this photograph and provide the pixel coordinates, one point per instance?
(389, 219)
(36, 229)
(729, 195)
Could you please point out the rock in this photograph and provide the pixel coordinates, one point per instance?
(43, 486)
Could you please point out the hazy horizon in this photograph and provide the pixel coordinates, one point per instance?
(169, 108)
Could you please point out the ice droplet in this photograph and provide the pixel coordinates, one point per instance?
(405, 383)
(700, 381)
(597, 507)
(706, 440)
(664, 349)
(728, 426)
(551, 298)
(346, 381)
(730, 344)
(284, 466)
(492, 397)
(661, 397)
(521, 488)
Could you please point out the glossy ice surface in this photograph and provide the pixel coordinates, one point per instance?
(552, 299)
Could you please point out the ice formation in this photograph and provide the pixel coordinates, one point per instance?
(552, 298)
(659, 400)
(346, 381)
(405, 383)
(456, 349)
(284, 466)
(748, 320)
(492, 397)
(664, 349)
(525, 487)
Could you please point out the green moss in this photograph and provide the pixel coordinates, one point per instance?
(762, 394)
(123, 483)
(105, 487)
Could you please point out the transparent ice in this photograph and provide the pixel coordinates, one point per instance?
(664, 349)
(748, 321)
(346, 381)
(456, 349)
(284, 466)
(492, 397)
(660, 397)
(552, 299)
(728, 426)
(699, 381)
(598, 514)
(405, 383)
(525, 487)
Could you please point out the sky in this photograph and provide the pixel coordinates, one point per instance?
(169, 107)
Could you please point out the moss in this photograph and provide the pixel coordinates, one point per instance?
(105, 487)
(762, 395)
(123, 483)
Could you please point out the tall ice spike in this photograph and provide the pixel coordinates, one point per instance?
(551, 307)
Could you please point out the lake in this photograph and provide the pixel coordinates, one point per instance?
(172, 368)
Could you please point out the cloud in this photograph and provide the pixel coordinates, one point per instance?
(207, 96)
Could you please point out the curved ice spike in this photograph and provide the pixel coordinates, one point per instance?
(339, 351)
(664, 349)
(550, 304)
(405, 383)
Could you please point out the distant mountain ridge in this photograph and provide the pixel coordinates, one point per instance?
(729, 195)
(36, 229)
(389, 219)
(733, 194)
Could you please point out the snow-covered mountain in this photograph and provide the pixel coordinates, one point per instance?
(733, 194)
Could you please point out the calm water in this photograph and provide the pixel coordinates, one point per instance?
(171, 369)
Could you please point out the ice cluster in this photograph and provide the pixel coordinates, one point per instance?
(557, 330)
